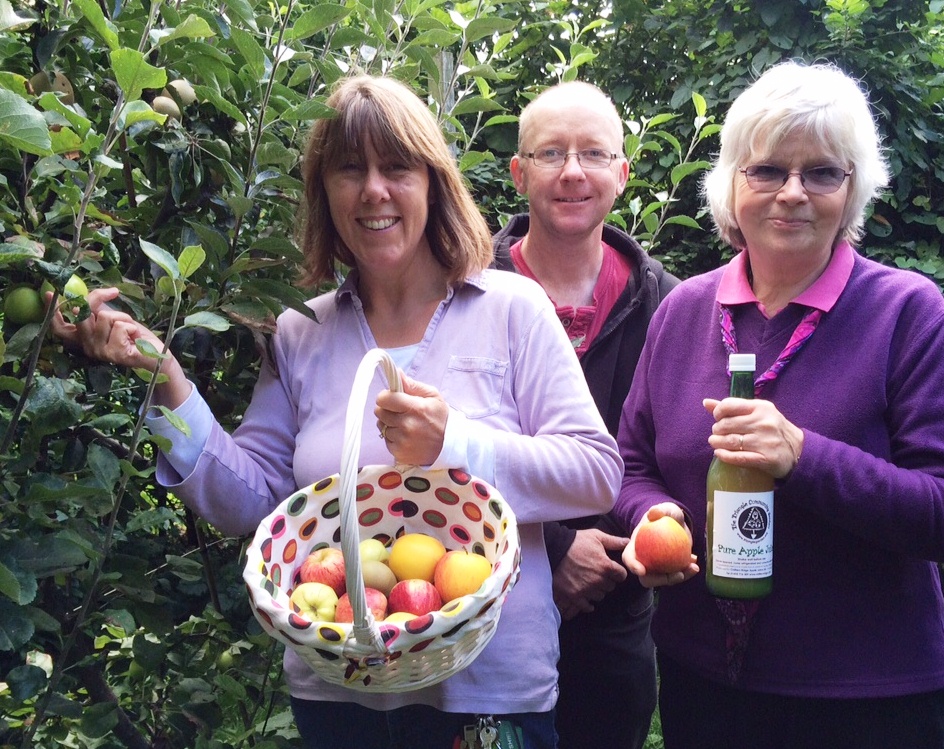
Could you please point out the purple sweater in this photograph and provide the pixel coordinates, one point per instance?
(857, 609)
(487, 350)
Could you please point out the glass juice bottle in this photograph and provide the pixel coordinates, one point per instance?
(740, 525)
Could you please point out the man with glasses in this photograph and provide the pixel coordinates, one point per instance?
(571, 167)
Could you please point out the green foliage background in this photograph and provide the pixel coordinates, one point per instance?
(123, 621)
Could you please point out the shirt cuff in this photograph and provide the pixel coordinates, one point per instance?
(185, 450)
(467, 445)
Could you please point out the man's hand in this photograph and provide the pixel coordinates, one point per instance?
(587, 573)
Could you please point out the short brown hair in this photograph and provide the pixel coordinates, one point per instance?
(395, 121)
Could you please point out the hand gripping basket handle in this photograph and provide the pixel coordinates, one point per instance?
(365, 629)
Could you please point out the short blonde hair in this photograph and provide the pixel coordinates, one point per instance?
(570, 92)
(387, 114)
(824, 104)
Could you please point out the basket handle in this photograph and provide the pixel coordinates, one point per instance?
(366, 630)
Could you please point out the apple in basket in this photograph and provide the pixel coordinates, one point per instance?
(315, 601)
(460, 573)
(414, 555)
(415, 596)
(373, 549)
(325, 565)
(376, 602)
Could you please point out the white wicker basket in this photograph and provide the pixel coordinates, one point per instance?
(383, 502)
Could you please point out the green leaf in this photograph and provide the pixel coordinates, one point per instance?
(208, 320)
(48, 555)
(104, 466)
(16, 584)
(684, 169)
(192, 27)
(317, 19)
(16, 628)
(134, 73)
(22, 126)
(701, 106)
(99, 719)
(313, 109)
(488, 25)
(137, 111)
(178, 423)
(105, 29)
(25, 682)
(190, 260)
(683, 221)
(476, 104)
(161, 257)
(242, 11)
(251, 51)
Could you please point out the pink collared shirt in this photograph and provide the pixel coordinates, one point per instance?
(822, 293)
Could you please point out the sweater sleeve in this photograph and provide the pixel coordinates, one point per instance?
(894, 501)
(238, 479)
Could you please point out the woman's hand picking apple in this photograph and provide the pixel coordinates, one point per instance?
(658, 579)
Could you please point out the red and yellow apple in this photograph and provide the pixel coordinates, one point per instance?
(316, 601)
(325, 565)
(460, 573)
(415, 596)
(378, 575)
(413, 556)
(663, 545)
(376, 602)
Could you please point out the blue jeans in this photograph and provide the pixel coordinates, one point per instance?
(345, 725)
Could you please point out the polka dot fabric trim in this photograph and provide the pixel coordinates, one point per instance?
(460, 510)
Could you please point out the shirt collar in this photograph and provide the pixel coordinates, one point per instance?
(822, 293)
(348, 288)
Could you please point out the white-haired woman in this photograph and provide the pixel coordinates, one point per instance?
(848, 649)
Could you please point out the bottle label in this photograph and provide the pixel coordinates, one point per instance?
(743, 534)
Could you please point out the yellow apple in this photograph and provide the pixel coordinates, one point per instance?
(399, 617)
(460, 573)
(373, 549)
(414, 555)
(315, 601)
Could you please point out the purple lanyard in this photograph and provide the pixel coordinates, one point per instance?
(801, 335)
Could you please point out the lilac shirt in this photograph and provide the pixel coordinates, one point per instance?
(856, 608)
(486, 349)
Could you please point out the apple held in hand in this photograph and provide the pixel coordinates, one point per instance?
(413, 556)
(325, 566)
(316, 601)
(415, 596)
(460, 573)
(376, 602)
(663, 545)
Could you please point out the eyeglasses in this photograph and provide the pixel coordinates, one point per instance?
(819, 180)
(555, 158)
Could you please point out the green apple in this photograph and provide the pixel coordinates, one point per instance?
(23, 305)
(373, 549)
(315, 601)
(75, 286)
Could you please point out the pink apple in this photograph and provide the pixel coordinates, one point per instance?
(376, 602)
(415, 596)
(326, 566)
(316, 601)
